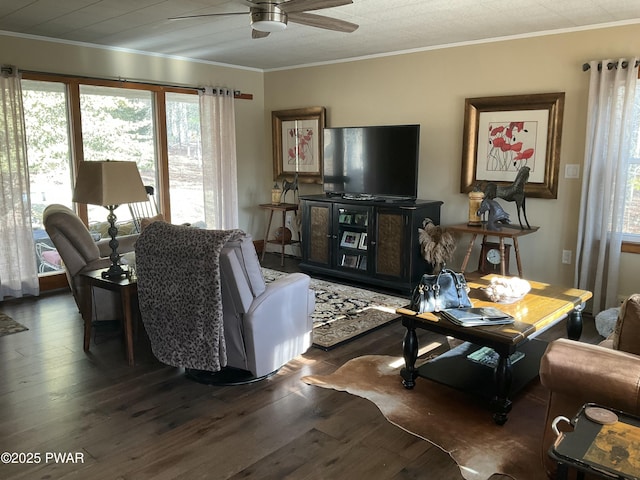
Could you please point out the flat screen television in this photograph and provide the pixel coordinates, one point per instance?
(374, 161)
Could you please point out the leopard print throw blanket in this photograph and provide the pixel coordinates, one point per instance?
(180, 294)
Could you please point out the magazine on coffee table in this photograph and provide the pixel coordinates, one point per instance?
(477, 316)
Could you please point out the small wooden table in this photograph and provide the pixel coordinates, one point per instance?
(128, 289)
(590, 447)
(284, 208)
(507, 232)
(544, 306)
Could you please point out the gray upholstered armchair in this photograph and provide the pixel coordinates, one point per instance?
(81, 253)
(205, 305)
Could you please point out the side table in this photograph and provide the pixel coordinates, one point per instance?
(127, 287)
(284, 208)
(507, 232)
(607, 450)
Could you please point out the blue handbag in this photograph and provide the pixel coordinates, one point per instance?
(447, 289)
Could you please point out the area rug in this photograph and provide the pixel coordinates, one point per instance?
(8, 325)
(451, 419)
(344, 313)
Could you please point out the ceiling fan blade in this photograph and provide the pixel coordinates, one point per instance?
(187, 17)
(320, 21)
(258, 34)
(294, 6)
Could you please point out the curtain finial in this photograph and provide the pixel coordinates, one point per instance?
(7, 69)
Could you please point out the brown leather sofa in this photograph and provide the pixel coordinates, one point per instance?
(80, 253)
(608, 374)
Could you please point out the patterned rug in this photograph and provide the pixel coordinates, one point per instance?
(344, 313)
(9, 325)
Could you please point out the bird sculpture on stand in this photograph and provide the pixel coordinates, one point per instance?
(436, 244)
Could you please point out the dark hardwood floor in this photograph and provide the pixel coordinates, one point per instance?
(149, 421)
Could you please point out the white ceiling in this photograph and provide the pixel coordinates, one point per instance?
(386, 26)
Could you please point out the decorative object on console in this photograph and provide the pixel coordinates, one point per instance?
(283, 232)
(290, 186)
(496, 216)
(109, 184)
(475, 199)
(504, 134)
(512, 193)
(437, 245)
(276, 194)
(506, 290)
(297, 143)
(490, 260)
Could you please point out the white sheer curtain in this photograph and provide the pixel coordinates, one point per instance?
(219, 166)
(608, 148)
(18, 272)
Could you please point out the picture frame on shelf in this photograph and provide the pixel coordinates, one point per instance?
(350, 239)
(362, 244)
(298, 143)
(503, 134)
(345, 218)
(350, 261)
(361, 219)
(362, 264)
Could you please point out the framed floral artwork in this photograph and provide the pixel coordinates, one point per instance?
(504, 134)
(298, 143)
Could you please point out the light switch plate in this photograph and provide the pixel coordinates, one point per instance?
(572, 171)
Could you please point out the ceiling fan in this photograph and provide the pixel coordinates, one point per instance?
(272, 15)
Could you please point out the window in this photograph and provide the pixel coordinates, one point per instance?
(117, 124)
(185, 159)
(631, 221)
(49, 154)
(115, 121)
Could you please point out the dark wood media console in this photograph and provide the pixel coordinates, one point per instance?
(371, 241)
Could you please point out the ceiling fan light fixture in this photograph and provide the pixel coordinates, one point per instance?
(272, 20)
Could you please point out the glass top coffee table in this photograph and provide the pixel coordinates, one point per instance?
(544, 306)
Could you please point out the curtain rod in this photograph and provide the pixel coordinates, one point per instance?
(610, 65)
(236, 93)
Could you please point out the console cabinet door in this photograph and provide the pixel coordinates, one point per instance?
(318, 237)
(351, 226)
(390, 244)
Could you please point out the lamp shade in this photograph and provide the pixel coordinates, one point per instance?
(108, 183)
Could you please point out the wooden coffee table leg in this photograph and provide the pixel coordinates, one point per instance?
(410, 353)
(501, 405)
(574, 323)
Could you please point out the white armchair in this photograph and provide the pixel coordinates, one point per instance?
(265, 326)
(205, 305)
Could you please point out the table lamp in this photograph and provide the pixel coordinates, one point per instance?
(109, 184)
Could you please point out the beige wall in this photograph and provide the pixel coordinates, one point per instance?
(52, 57)
(430, 88)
